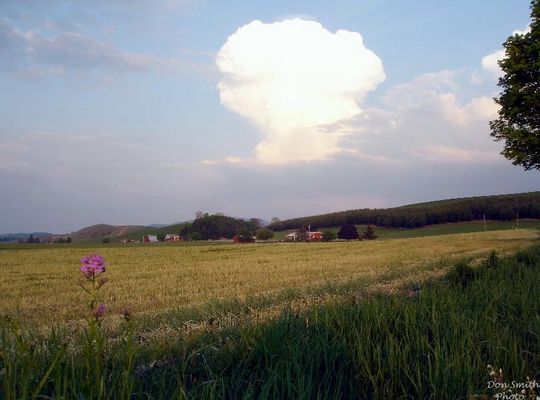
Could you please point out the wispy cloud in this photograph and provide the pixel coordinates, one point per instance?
(447, 154)
(32, 54)
(424, 119)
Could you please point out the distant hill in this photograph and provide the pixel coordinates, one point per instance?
(497, 207)
(118, 232)
(182, 227)
(11, 237)
(153, 230)
(100, 231)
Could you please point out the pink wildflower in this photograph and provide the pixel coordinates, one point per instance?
(92, 265)
(100, 311)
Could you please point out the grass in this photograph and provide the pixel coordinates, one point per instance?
(435, 343)
(436, 230)
(39, 284)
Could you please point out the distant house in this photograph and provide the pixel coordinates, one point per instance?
(171, 237)
(150, 239)
(315, 236)
(312, 236)
(291, 237)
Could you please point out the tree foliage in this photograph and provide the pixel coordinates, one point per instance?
(218, 226)
(328, 235)
(502, 208)
(194, 236)
(252, 225)
(518, 124)
(348, 232)
(369, 233)
(264, 234)
(245, 236)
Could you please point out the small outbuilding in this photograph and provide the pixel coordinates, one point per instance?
(291, 237)
(150, 239)
(310, 236)
(315, 236)
(171, 237)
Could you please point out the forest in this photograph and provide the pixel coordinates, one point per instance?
(499, 207)
(217, 226)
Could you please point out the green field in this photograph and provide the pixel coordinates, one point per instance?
(443, 229)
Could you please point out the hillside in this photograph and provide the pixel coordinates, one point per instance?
(152, 230)
(132, 232)
(100, 231)
(436, 230)
(13, 237)
(209, 227)
(494, 208)
(461, 200)
(497, 207)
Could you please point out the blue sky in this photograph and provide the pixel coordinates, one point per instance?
(112, 112)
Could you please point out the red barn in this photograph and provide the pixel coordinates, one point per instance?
(315, 236)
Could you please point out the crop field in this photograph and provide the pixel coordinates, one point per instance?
(467, 318)
(39, 283)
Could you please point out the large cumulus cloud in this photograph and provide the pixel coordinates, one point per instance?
(292, 78)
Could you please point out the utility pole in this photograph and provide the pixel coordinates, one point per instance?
(485, 227)
(517, 219)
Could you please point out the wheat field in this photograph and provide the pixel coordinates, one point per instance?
(40, 284)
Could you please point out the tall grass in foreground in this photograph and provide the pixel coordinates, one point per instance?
(436, 343)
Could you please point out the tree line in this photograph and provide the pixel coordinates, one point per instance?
(501, 208)
(218, 226)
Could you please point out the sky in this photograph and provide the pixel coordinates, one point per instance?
(148, 111)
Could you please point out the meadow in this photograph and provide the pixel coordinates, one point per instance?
(466, 318)
(39, 283)
(440, 229)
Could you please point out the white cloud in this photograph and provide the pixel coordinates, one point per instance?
(490, 62)
(522, 32)
(293, 77)
(436, 93)
(425, 120)
(478, 109)
(421, 90)
(226, 160)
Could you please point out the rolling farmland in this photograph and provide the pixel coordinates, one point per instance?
(40, 283)
(276, 320)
